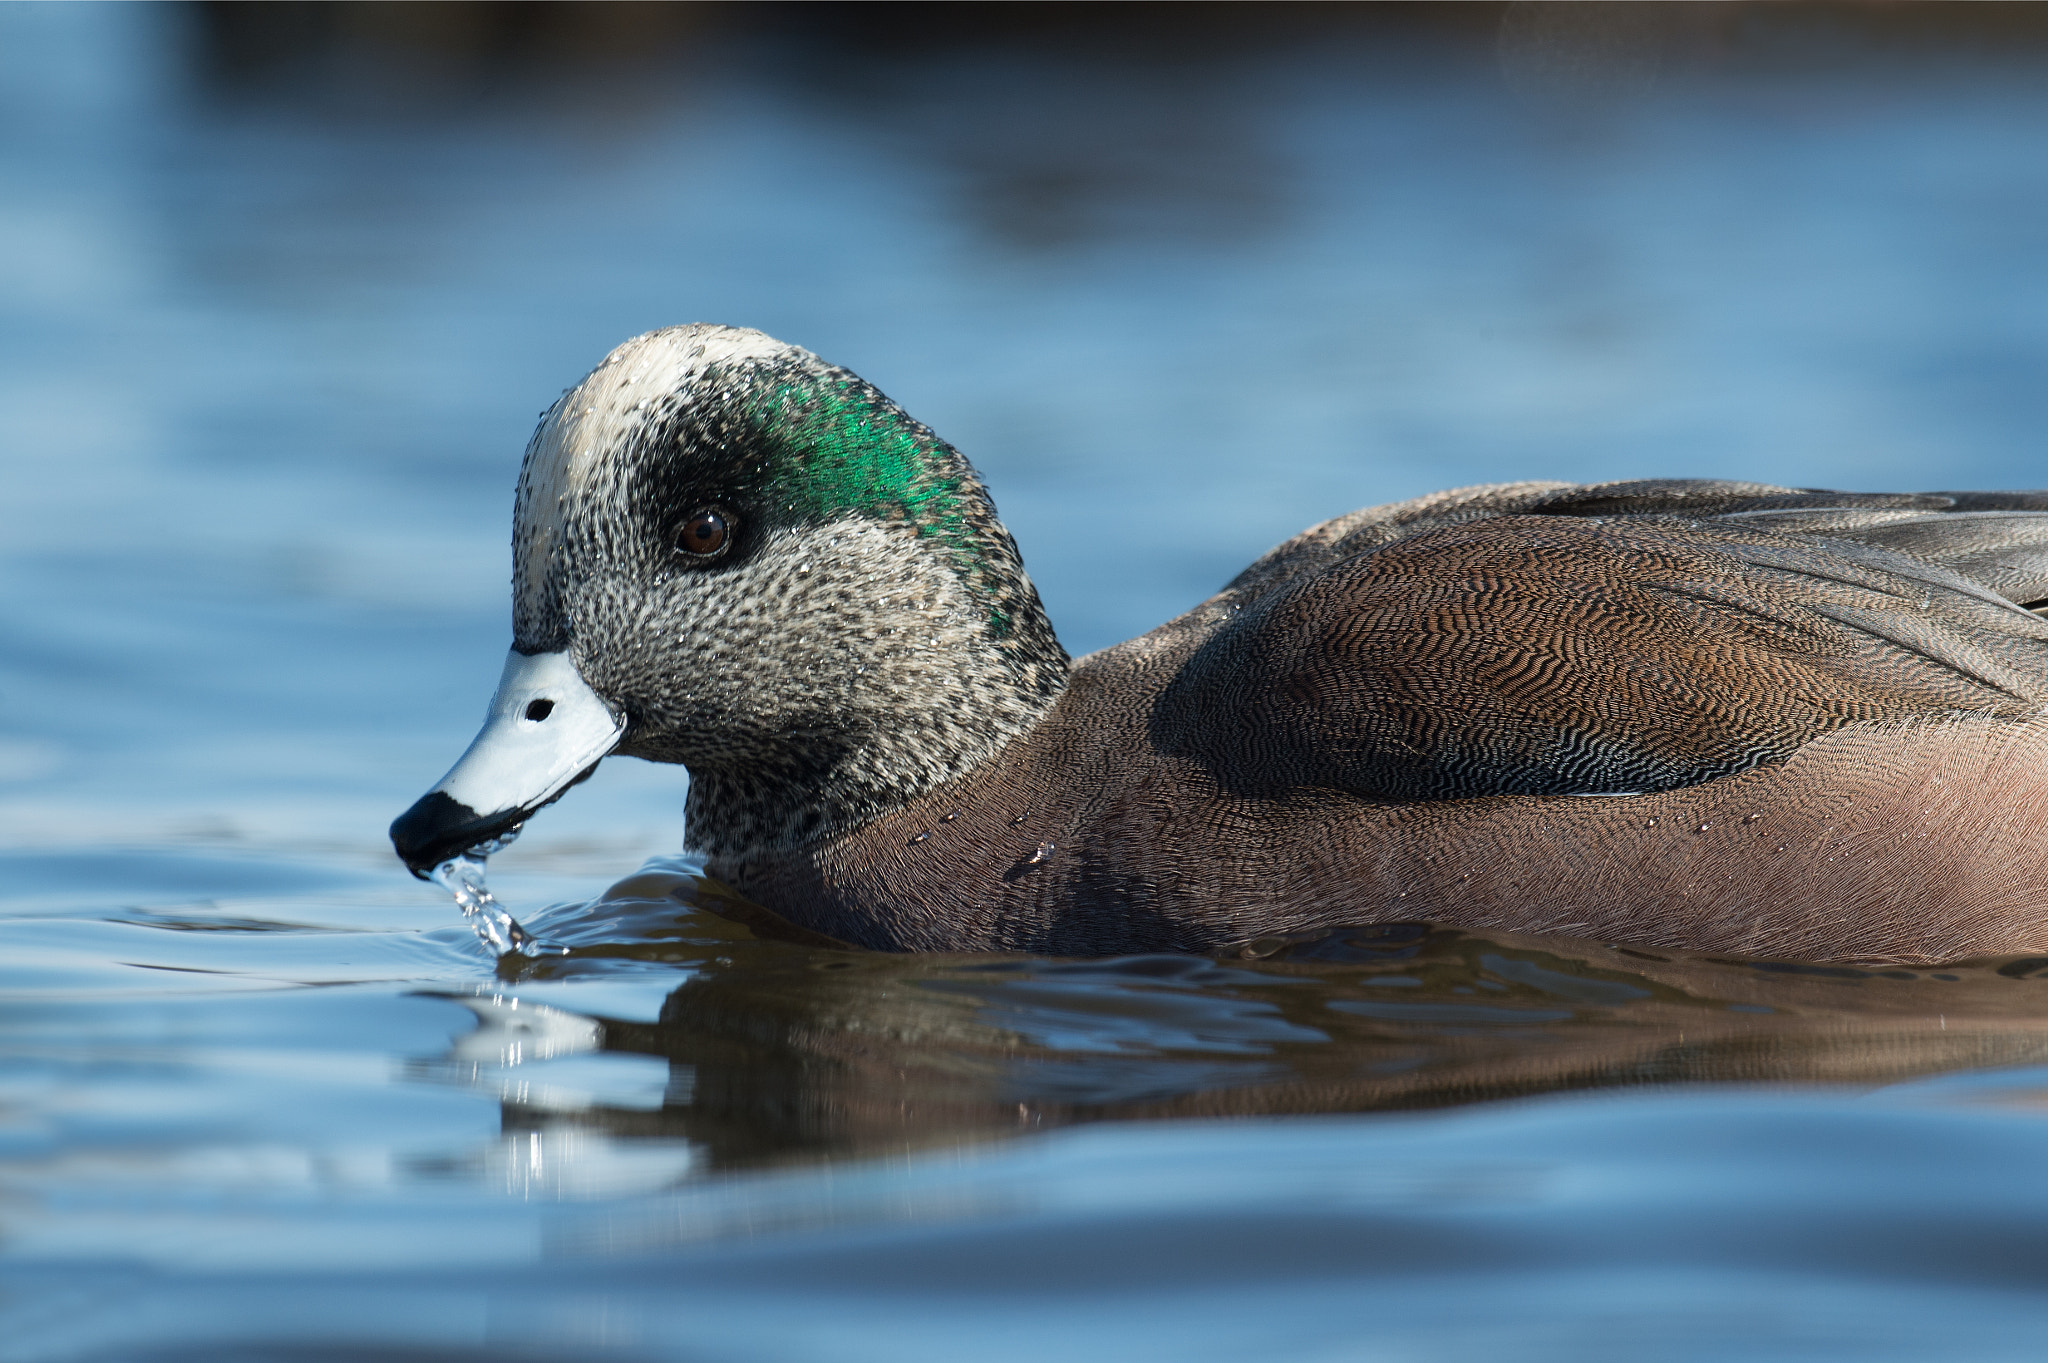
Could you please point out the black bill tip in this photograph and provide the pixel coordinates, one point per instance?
(438, 827)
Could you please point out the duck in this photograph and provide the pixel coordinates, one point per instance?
(1692, 714)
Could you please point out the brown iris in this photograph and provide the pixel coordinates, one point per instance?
(704, 533)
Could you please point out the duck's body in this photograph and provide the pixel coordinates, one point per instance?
(1689, 714)
(1902, 813)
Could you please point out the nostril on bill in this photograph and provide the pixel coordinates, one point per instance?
(539, 709)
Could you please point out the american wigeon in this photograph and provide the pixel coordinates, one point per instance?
(1696, 714)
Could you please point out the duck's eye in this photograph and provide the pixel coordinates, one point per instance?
(705, 533)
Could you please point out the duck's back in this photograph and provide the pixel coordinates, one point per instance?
(1609, 640)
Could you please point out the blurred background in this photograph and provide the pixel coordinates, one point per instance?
(282, 287)
(282, 290)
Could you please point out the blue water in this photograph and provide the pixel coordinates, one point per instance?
(269, 351)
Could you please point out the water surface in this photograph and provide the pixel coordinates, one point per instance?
(273, 330)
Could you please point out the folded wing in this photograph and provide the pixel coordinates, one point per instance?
(1630, 637)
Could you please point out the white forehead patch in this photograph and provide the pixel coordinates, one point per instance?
(603, 412)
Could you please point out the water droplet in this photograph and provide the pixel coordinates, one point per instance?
(1779, 848)
(1043, 854)
(1019, 820)
(1752, 818)
(1650, 822)
(463, 877)
(948, 818)
(921, 837)
(1701, 829)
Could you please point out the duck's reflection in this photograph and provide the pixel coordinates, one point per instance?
(778, 1050)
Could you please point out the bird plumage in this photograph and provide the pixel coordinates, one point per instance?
(1691, 713)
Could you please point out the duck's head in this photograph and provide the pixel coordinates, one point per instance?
(730, 554)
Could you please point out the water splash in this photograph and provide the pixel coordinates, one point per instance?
(463, 877)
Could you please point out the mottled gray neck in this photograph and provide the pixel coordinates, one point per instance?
(830, 790)
(892, 685)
